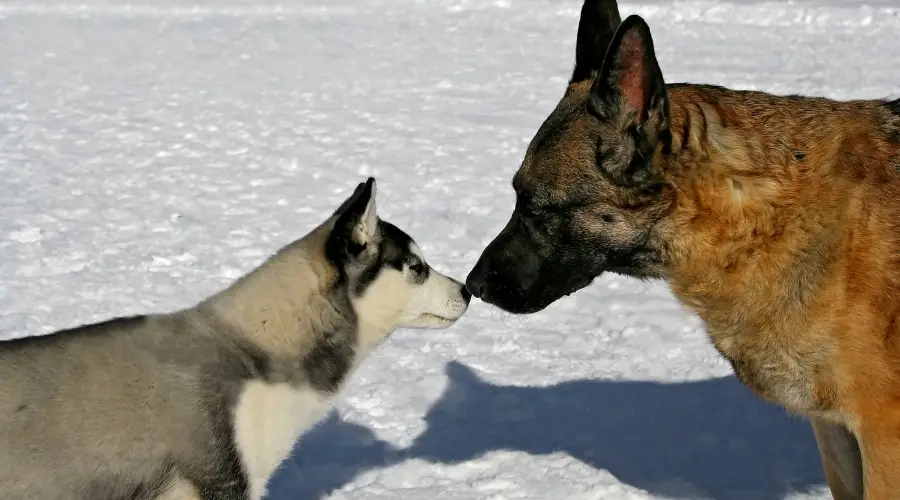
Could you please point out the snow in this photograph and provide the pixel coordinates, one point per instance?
(151, 152)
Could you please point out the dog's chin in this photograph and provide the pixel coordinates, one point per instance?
(530, 302)
(517, 307)
(428, 321)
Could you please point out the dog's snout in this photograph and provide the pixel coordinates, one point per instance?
(473, 287)
(475, 281)
(464, 291)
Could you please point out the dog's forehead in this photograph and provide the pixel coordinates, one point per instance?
(557, 180)
(561, 158)
(396, 245)
(415, 250)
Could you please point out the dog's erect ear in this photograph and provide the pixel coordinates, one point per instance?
(631, 93)
(353, 197)
(631, 81)
(357, 220)
(596, 28)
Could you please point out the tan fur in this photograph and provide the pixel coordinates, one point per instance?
(793, 272)
(783, 233)
(775, 218)
(266, 304)
(180, 490)
(797, 274)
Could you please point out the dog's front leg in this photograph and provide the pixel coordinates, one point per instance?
(879, 442)
(180, 490)
(841, 459)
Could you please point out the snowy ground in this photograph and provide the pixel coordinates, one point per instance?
(152, 152)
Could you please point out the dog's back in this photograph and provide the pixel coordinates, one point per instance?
(894, 106)
(131, 387)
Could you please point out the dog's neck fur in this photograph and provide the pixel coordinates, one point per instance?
(284, 307)
(749, 179)
(778, 229)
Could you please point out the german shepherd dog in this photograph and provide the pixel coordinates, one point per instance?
(775, 218)
(206, 402)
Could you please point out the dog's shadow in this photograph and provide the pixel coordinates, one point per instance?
(327, 457)
(710, 439)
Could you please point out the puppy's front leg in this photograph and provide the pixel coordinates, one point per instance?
(180, 490)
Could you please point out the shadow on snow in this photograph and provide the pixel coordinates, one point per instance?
(710, 439)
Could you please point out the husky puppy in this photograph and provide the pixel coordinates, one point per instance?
(205, 403)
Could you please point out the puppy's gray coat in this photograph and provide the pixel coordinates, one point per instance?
(204, 403)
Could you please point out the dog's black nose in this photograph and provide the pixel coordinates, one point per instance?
(465, 294)
(475, 283)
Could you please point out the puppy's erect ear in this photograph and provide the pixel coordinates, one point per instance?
(352, 198)
(596, 28)
(357, 221)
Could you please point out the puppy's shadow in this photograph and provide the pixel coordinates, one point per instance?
(710, 439)
(328, 457)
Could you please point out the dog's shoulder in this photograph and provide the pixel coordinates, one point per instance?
(85, 331)
(893, 107)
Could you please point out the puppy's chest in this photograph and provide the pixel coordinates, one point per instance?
(774, 369)
(268, 420)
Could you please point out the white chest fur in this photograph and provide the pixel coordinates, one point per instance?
(268, 419)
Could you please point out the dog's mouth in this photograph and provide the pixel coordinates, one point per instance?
(429, 320)
(522, 302)
(579, 285)
(437, 318)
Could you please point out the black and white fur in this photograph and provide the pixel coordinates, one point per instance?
(205, 403)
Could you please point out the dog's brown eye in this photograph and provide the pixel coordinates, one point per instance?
(418, 267)
(534, 211)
